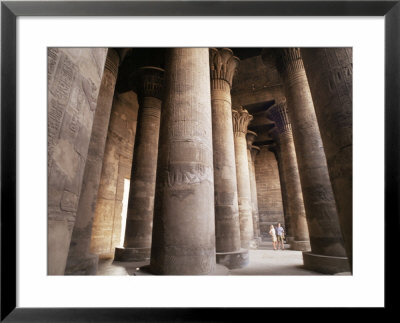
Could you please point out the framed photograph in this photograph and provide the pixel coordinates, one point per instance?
(32, 288)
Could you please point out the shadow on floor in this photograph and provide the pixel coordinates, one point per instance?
(263, 261)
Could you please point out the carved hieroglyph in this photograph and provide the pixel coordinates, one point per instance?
(183, 240)
(330, 71)
(74, 76)
(80, 261)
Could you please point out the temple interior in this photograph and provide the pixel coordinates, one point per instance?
(199, 161)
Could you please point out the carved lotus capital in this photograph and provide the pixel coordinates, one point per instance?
(223, 65)
(240, 120)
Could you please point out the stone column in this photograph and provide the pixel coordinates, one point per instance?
(183, 241)
(297, 214)
(139, 219)
(255, 150)
(329, 72)
(276, 149)
(251, 154)
(227, 227)
(115, 174)
(241, 119)
(74, 77)
(328, 254)
(80, 261)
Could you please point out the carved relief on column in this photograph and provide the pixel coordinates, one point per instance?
(139, 221)
(255, 150)
(183, 238)
(287, 61)
(241, 119)
(223, 66)
(227, 228)
(74, 76)
(276, 149)
(323, 224)
(329, 72)
(250, 137)
(150, 82)
(112, 62)
(80, 261)
(295, 205)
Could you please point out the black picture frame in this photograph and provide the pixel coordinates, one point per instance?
(10, 10)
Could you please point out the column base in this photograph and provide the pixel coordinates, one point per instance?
(289, 240)
(253, 244)
(300, 245)
(132, 254)
(325, 264)
(83, 266)
(233, 260)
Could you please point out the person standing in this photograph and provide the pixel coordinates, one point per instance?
(273, 235)
(280, 232)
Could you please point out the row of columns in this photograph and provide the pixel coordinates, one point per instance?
(327, 248)
(139, 220)
(195, 171)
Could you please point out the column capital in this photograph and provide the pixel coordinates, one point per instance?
(250, 137)
(280, 115)
(240, 120)
(223, 66)
(112, 61)
(286, 60)
(150, 82)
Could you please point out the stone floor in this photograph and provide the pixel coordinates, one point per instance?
(263, 261)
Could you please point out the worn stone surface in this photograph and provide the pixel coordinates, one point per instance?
(234, 260)
(325, 235)
(183, 240)
(139, 221)
(255, 83)
(276, 149)
(254, 198)
(227, 228)
(329, 72)
(117, 163)
(74, 77)
(295, 205)
(78, 257)
(251, 154)
(269, 195)
(241, 119)
(325, 264)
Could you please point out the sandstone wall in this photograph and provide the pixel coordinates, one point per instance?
(270, 207)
